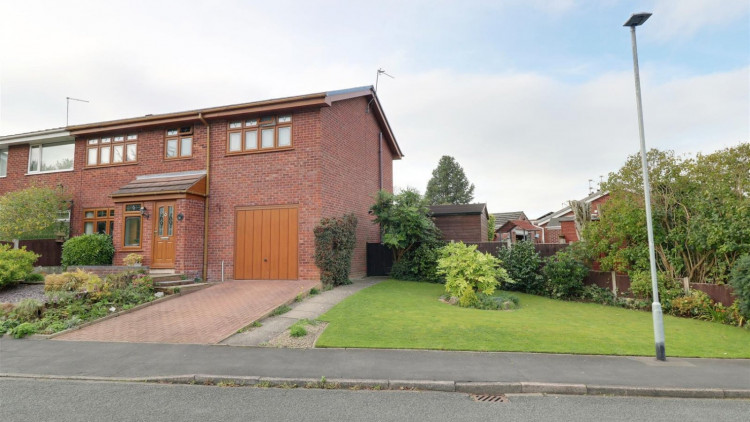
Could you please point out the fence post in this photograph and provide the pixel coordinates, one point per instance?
(614, 283)
(686, 285)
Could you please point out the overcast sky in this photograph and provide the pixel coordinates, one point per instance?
(532, 97)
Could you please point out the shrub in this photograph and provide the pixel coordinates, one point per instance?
(335, 239)
(298, 330)
(70, 281)
(88, 249)
(34, 278)
(564, 276)
(468, 271)
(15, 265)
(28, 310)
(497, 302)
(419, 264)
(598, 294)
(695, 305)
(524, 266)
(739, 279)
(669, 289)
(133, 259)
(23, 330)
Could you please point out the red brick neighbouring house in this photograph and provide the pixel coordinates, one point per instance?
(466, 223)
(238, 187)
(518, 230)
(559, 227)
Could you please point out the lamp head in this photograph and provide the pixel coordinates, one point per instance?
(637, 19)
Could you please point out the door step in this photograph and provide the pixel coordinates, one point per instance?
(172, 283)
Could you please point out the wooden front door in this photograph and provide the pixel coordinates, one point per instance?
(266, 244)
(164, 231)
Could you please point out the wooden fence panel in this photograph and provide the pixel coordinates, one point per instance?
(720, 293)
(548, 249)
(49, 249)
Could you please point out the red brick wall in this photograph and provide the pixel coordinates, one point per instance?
(350, 170)
(552, 235)
(466, 228)
(568, 229)
(344, 179)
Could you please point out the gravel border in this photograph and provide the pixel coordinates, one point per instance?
(305, 342)
(23, 291)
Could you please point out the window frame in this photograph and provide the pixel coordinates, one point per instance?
(178, 137)
(125, 215)
(4, 150)
(41, 156)
(111, 141)
(109, 219)
(261, 122)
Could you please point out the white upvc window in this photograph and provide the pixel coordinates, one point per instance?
(3, 162)
(48, 158)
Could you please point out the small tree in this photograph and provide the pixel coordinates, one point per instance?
(449, 184)
(523, 264)
(29, 210)
(404, 221)
(491, 228)
(468, 272)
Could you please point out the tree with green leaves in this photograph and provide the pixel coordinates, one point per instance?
(700, 207)
(404, 221)
(491, 227)
(29, 210)
(449, 184)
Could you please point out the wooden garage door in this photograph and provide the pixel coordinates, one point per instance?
(266, 244)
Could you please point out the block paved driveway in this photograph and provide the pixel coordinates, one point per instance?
(203, 317)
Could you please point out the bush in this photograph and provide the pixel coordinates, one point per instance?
(71, 281)
(34, 278)
(28, 310)
(739, 279)
(419, 264)
(524, 266)
(669, 289)
(564, 276)
(15, 265)
(497, 302)
(88, 249)
(468, 271)
(597, 294)
(335, 239)
(23, 330)
(133, 259)
(297, 330)
(695, 305)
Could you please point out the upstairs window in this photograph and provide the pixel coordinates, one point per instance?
(259, 134)
(178, 143)
(46, 158)
(112, 150)
(3, 162)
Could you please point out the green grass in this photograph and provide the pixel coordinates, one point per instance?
(408, 315)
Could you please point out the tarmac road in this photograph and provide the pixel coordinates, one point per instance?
(63, 400)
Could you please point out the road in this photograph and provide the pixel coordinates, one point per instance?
(63, 400)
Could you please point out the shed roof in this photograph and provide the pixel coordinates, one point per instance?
(460, 209)
(158, 184)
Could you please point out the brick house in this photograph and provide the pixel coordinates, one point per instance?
(559, 226)
(237, 188)
(467, 222)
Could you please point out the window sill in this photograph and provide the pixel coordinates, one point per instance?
(49, 172)
(178, 158)
(260, 151)
(105, 166)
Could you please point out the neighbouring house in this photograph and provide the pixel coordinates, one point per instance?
(233, 190)
(519, 230)
(465, 222)
(559, 226)
(503, 217)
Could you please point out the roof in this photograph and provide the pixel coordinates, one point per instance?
(47, 135)
(503, 217)
(523, 224)
(157, 184)
(321, 99)
(459, 209)
(547, 218)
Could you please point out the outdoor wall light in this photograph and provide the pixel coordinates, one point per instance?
(180, 217)
(144, 212)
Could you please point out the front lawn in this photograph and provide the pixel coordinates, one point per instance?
(408, 315)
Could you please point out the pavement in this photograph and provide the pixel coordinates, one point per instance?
(239, 362)
(206, 316)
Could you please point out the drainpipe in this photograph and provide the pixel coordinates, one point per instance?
(205, 206)
(380, 159)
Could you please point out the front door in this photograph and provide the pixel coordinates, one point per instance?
(164, 231)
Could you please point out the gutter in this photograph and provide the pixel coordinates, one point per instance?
(205, 204)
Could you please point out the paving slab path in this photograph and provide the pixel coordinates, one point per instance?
(311, 308)
(207, 316)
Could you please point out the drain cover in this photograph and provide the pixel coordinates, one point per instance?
(487, 398)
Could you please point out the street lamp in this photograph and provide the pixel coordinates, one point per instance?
(637, 19)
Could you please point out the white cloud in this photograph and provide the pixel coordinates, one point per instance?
(683, 18)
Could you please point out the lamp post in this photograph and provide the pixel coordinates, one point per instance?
(638, 19)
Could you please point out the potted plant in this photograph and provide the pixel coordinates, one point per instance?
(133, 260)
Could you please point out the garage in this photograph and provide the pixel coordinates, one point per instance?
(266, 243)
